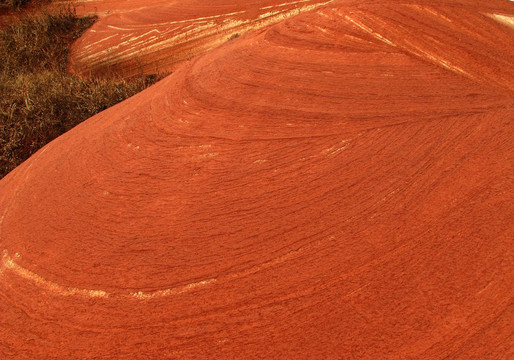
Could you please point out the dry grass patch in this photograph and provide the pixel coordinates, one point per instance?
(13, 4)
(39, 100)
(18, 4)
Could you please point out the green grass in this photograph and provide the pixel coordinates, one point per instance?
(39, 100)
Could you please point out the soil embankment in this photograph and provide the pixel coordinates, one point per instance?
(338, 185)
(156, 36)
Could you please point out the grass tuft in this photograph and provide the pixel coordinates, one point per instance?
(18, 4)
(13, 4)
(39, 100)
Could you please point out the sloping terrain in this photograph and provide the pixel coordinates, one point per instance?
(337, 185)
(156, 36)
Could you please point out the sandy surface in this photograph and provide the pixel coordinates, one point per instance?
(336, 186)
(135, 37)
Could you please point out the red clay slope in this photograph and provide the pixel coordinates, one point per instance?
(155, 36)
(337, 186)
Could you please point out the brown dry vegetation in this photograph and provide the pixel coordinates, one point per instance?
(18, 4)
(39, 100)
(12, 4)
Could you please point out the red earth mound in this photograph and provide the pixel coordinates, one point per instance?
(134, 37)
(336, 186)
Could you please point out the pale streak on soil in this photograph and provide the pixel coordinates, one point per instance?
(406, 172)
(174, 291)
(369, 31)
(284, 4)
(8, 263)
(429, 10)
(209, 27)
(504, 19)
(411, 48)
(436, 60)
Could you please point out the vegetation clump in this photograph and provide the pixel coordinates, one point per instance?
(19, 4)
(13, 4)
(234, 36)
(39, 100)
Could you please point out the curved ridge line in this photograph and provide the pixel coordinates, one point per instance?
(172, 291)
(8, 263)
(411, 48)
(204, 31)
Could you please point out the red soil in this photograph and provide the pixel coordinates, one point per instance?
(155, 36)
(338, 185)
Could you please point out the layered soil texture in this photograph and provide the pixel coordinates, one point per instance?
(155, 36)
(336, 186)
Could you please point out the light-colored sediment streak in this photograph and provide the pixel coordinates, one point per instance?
(504, 19)
(369, 30)
(142, 295)
(179, 39)
(8, 264)
(408, 46)
(298, 193)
